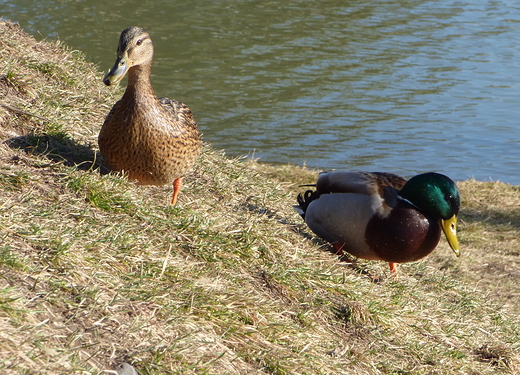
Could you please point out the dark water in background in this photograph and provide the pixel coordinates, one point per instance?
(399, 86)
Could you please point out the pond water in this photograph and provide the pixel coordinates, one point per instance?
(398, 86)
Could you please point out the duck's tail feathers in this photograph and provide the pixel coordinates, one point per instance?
(304, 199)
(298, 209)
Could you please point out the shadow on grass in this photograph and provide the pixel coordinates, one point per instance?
(59, 148)
(303, 231)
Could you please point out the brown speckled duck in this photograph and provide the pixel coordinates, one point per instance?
(154, 141)
(381, 216)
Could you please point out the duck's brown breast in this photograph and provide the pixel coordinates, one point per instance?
(405, 235)
(153, 143)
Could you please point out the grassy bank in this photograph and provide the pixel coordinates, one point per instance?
(96, 271)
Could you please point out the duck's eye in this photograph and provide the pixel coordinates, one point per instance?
(452, 201)
(139, 42)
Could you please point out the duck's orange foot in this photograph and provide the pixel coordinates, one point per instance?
(344, 257)
(176, 189)
(393, 268)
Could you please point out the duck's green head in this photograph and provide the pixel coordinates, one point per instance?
(438, 195)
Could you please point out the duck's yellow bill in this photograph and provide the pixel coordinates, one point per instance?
(449, 228)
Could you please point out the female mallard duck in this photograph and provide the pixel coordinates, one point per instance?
(155, 141)
(381, 216)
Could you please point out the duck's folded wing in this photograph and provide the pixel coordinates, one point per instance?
(179, 112)
(357, 182)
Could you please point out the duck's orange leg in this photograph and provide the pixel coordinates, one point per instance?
(176, 189)
(393, 267)
(338, 247)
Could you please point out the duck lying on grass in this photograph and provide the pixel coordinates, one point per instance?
(381, 216)
(154, 141)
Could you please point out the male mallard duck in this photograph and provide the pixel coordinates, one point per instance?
(155, 141)
(381, 216)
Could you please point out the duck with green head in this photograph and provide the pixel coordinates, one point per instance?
(381, 216)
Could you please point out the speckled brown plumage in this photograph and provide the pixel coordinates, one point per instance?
(154, 141)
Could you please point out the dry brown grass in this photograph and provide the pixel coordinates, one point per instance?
(95, 270)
